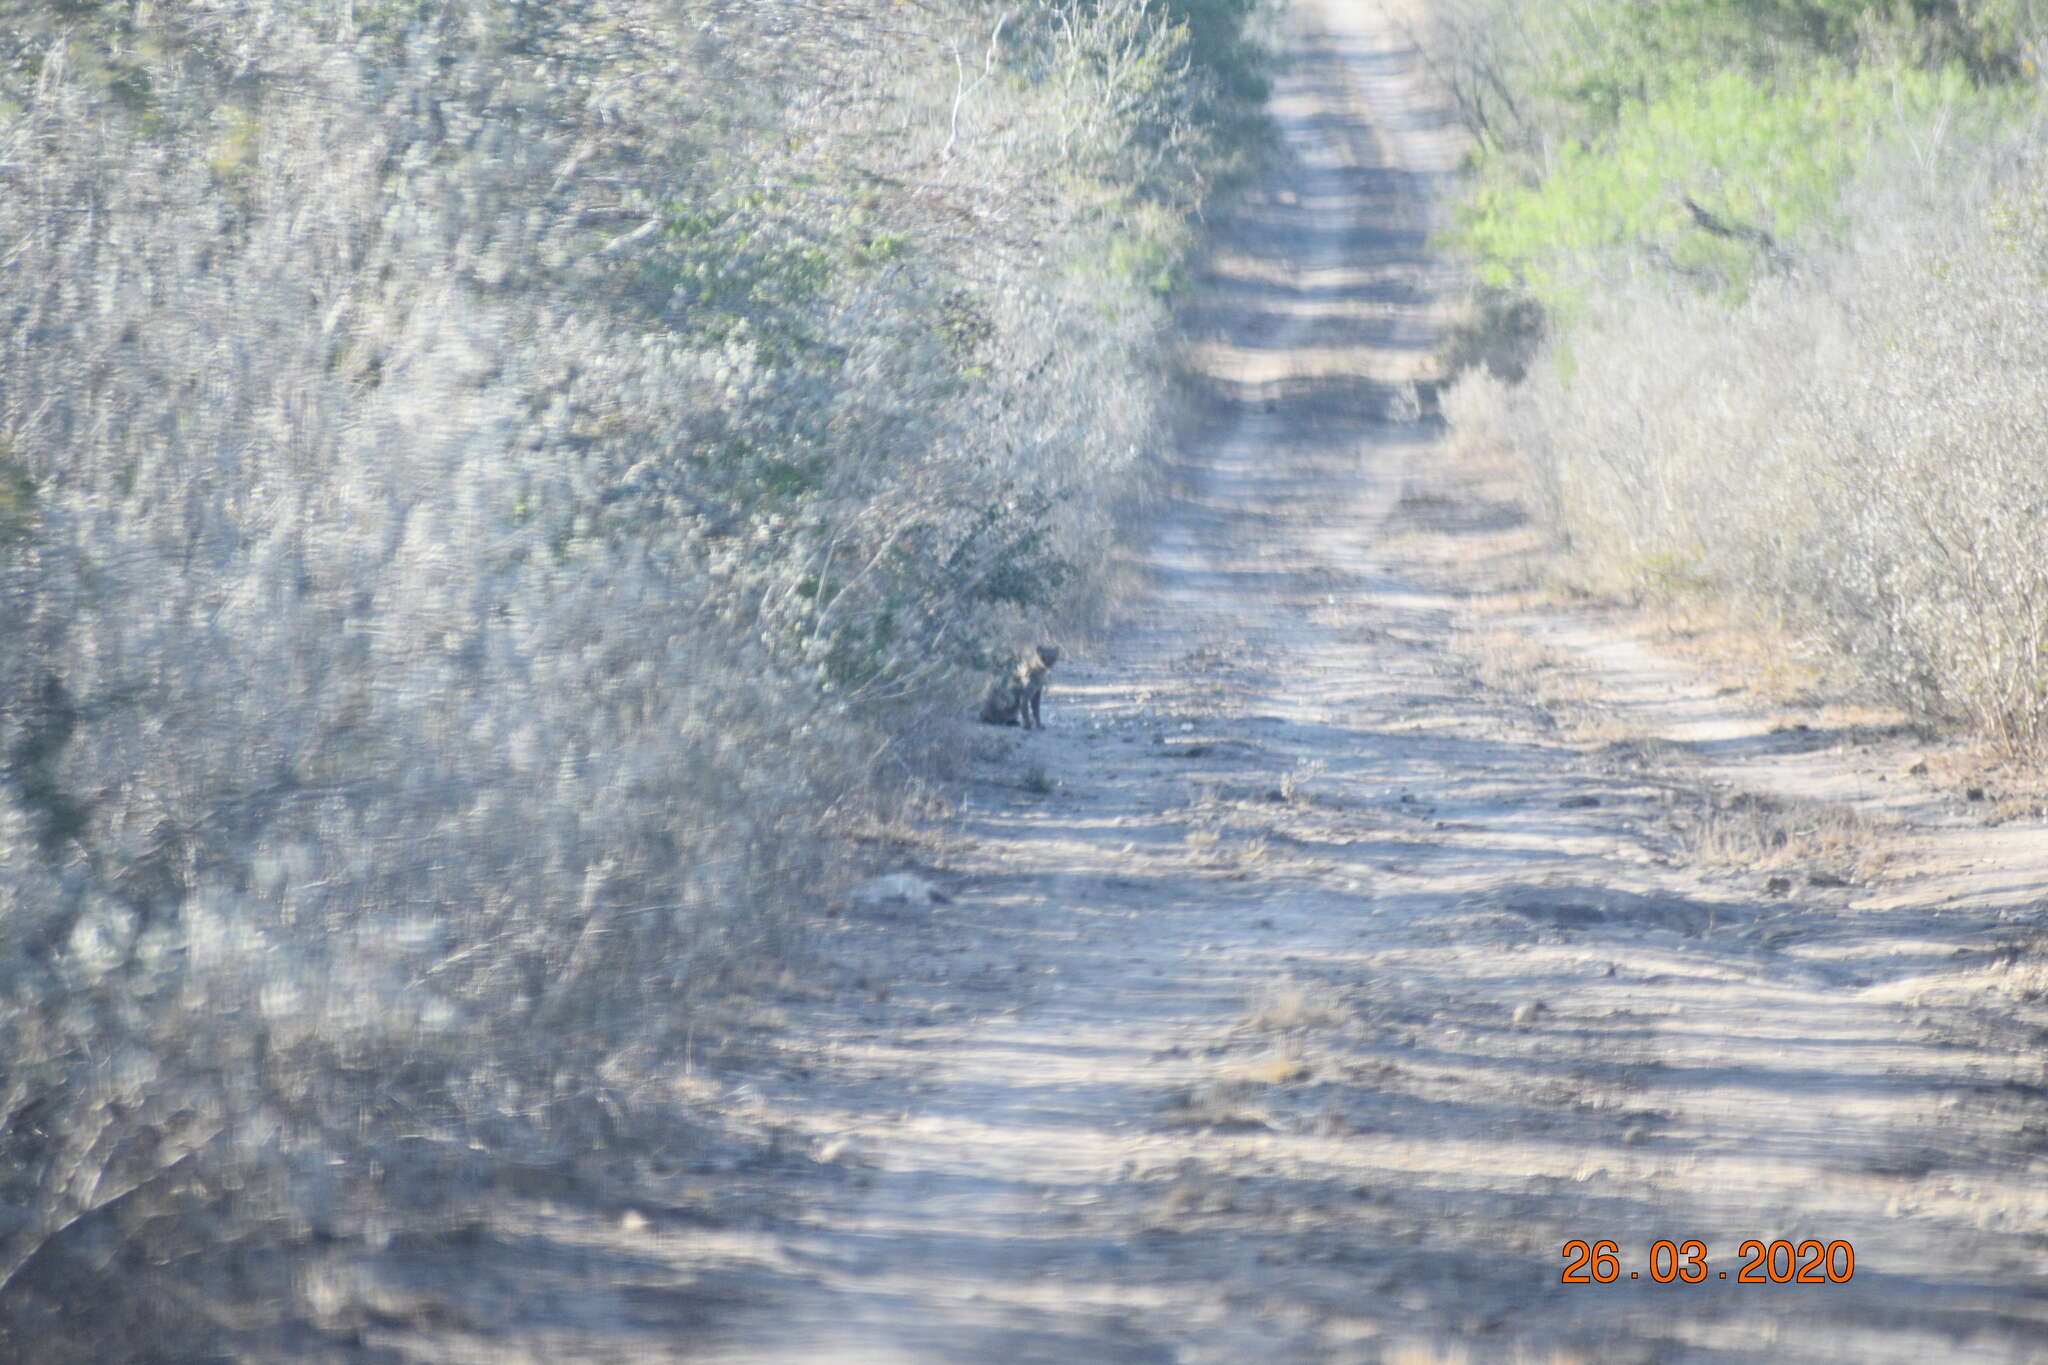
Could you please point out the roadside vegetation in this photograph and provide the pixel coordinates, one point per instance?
(487, 489)
(1760, 303)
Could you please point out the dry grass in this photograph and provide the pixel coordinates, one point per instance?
(1222, 1104)
(1279, 1069)
(1250, 852)
(1291, 1006)
(1214, 657)
(1294, 786)
(1618, 737)
(1509, 661)
(1756, 833)
(1192, 1195)
(1763, 662)
(1627, 744)
(1229, 1101)
(1991, 778)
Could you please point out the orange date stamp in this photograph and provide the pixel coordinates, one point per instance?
(1778, 1262)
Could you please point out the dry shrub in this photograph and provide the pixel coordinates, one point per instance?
(1281, 1068)
(1749, 832)
(1509, 660)
(1853, 452)
(1291, 1006)
(483, 487)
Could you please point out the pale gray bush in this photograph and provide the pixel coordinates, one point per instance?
(1855, 450)
(481, 486)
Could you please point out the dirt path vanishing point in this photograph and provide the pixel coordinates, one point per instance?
(1308, 986)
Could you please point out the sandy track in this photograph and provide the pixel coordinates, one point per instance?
(1308, 985)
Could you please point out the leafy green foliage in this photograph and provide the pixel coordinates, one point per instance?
(1145, 262)
(1704, 141)
(1768, 161)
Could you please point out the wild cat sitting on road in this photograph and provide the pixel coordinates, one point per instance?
(1014, 697)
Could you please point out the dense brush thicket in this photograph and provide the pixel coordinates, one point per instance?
(1790, 264)
(1856, 451)
(480, 482)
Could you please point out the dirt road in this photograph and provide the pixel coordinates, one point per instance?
(1325, 969)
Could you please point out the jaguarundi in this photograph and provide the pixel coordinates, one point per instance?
(1014, 697)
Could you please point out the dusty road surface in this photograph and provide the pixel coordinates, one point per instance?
(1334, 960)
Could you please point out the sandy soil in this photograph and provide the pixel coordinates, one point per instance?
(1357, 937)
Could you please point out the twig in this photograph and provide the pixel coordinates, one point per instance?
(961, 90)
(1741, 232)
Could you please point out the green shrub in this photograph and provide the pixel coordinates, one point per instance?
(1712, 181)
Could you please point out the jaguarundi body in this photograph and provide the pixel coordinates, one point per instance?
(1015, 697)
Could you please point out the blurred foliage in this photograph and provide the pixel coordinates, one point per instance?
(487, 485)
(1853, 454)
(1702, 139)
(1789, 262)
(1766, 167)
(17, 498)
